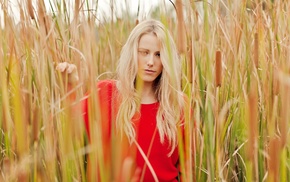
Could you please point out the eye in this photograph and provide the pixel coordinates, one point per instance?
(158, 54)
(143, 53)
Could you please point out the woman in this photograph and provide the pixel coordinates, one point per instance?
(144, 104)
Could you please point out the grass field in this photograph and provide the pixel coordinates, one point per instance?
(236, 73)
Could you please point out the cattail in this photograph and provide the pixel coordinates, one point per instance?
(41, 15)
(253, 128)
(77, 8)
(253, 117)
(35, 124)
(137, 22)
(218, 69)
(274, 153)
(256, 50)
(285, 114)
(181, 42)
(30, 9)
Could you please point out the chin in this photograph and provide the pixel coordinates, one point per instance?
(148, 80)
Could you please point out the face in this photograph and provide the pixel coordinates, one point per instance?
(149, 62)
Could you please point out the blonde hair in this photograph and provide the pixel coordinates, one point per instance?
(168, 84)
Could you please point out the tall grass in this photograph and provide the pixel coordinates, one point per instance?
(236, 76)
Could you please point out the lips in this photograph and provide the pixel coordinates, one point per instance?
(149, 71)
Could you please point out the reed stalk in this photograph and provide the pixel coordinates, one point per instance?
(238, 130)
(218, 69)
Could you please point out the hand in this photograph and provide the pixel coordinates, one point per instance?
(70, 70)
(128, 172)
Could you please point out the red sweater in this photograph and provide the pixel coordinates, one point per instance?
(146, 132)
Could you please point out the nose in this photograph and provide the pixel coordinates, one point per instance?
(150, 61)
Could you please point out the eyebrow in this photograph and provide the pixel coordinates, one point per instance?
(144, 49)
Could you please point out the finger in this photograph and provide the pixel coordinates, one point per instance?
(71, 68)
(62, 66)
(73, 73)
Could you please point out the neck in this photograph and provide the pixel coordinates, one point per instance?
(148, 94)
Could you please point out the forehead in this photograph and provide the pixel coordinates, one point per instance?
(149, 40)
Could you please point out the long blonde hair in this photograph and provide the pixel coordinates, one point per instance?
(168, 84)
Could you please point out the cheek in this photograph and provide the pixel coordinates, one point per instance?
(139, 61)
(160, 66)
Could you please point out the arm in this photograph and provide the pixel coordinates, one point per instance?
(97, 109)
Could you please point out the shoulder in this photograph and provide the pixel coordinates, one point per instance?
(107, 89)
(106, 83)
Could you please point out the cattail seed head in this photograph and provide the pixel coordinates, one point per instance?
(253, 122)
(181, 39)
(218, 69)
(136, 22)
(274, 152)
(77, 7)
(284, 128)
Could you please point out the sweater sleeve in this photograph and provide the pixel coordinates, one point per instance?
(101, 107)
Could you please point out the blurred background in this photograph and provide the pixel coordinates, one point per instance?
(236, 72)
